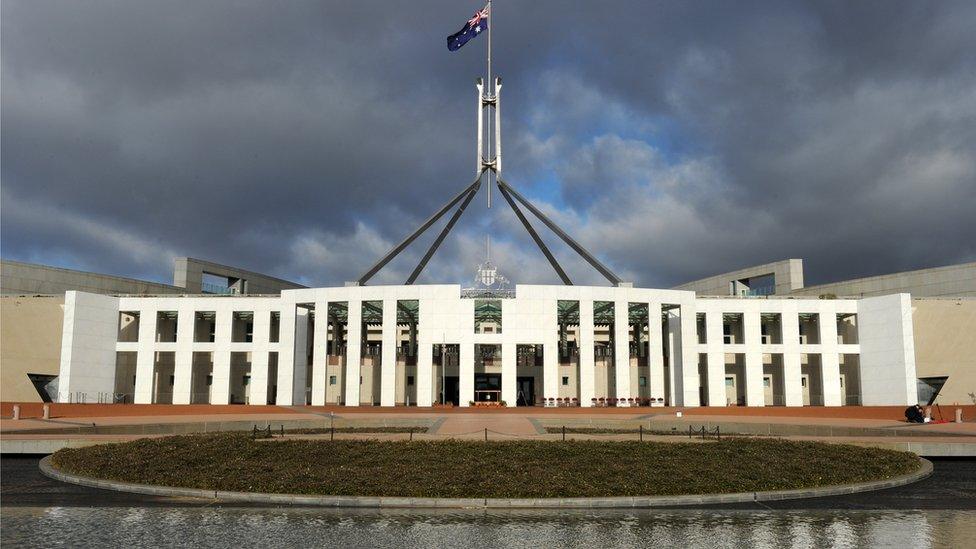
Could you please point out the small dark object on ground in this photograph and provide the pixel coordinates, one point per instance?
(915, 414)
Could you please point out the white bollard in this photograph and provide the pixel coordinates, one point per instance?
(678, 413)
(47, 411)
(958, 415)
(16, 411)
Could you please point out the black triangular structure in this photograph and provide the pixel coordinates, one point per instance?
(508, 193)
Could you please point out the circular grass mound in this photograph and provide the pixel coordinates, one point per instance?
(474, 469)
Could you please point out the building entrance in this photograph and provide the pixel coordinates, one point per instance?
(525, 391)
(452, 391)
(487, 387)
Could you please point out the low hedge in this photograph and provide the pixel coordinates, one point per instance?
(509, 469)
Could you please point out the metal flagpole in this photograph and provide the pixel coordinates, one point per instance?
(490, 24)
(491, 92)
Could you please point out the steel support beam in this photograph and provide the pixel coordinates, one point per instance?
(593, 261)
(440, 238)
(535, 236)
(413, 236)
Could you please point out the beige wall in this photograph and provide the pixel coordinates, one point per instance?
(30, 342)
(945, 345)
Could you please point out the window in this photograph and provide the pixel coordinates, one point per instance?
(242, 327)
(766, 381)
(729, 382)
(166, 326)
(172, 379)
(809, 328)
(204, 326)
(565, 380)
(642, 381)
(410, 380)
(929, 388)
(332, 380)
(487, 316)
(209, 380)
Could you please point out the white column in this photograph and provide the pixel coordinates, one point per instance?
(829, 358)
(354, 358)
(466, 371)
(792, 384)
(286, 353)
(752, 332)
(550, 349)
(183, 366)
(621, 349)
(258, 391)
(425, 354)
(388, 363)
(320, 342)
(509, 372)
(300, 357)
(714, 341)
(146, 357)
(674, 359)
(550, 366)
(655, 347)
(587, 363)
(687, 343)
(220, 387)
(425, 367)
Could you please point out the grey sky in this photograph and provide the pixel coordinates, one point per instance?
(302, 139)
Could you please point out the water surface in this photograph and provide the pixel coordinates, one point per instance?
(279, 527)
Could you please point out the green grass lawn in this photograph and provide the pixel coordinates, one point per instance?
(527, 469)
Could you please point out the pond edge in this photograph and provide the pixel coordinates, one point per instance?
(924, 471)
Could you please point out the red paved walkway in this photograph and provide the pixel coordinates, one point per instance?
(890, 413)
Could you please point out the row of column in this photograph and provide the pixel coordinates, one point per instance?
(683, 379)
(291, 378)
(682, 366)
(793, 390)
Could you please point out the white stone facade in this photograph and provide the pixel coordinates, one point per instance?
(699, 351)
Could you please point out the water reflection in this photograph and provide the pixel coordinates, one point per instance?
(252, 527)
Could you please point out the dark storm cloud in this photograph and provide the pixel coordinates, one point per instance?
(303, 139)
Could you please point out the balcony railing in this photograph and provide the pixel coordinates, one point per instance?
(211, 288)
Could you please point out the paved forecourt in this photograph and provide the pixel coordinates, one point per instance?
(82, 425)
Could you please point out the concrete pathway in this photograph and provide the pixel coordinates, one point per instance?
(504, 425)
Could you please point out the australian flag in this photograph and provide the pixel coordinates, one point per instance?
(472, 28)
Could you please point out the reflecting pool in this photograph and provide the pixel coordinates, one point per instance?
(278, 527)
